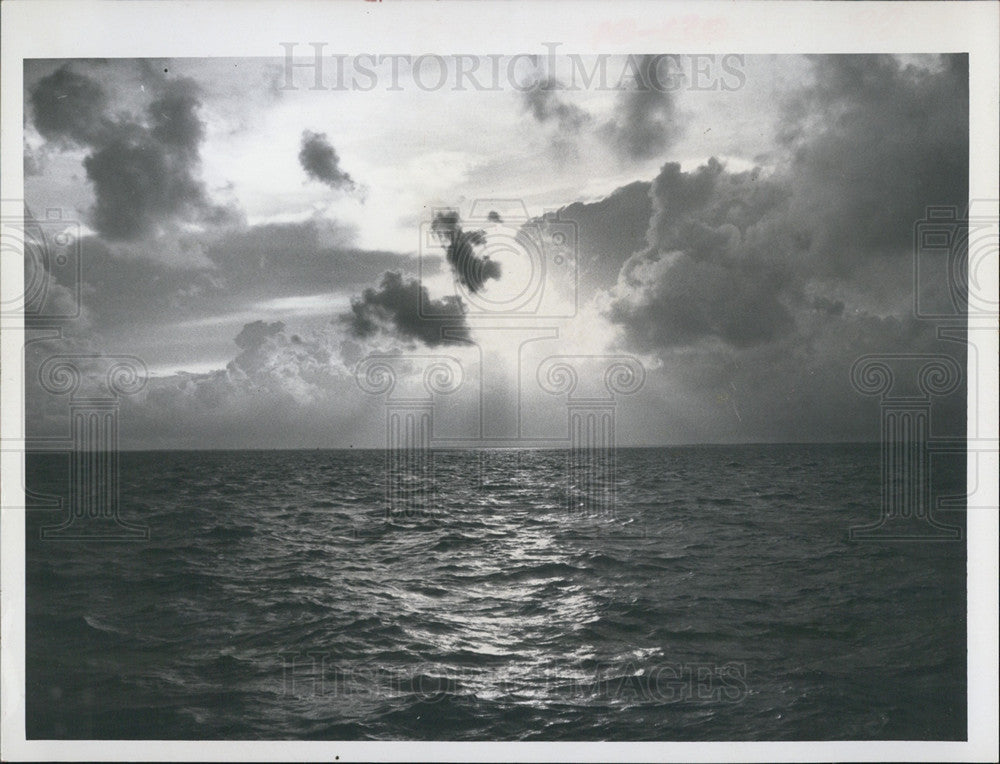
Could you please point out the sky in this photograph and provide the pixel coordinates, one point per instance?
(738, 229)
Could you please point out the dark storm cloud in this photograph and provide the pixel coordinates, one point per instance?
(702, 276)
(608, 231)
(470, 268)
(758, 290)
(173, 116)
(403, 309)
(144, 169)
(647, 122)
(740, 257)
(69, 107)
(320, 161)
(139, 183)
(796, 388)
(874, 143)
(684, 300)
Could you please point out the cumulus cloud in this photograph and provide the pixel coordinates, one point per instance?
(273, 364)
(675, 299)
(281, 390)
(471, 269)
(402, 308)
(145, 168)
(320, 161)
(704, 273)
(737, 256)
(646, 121)
(303, 367)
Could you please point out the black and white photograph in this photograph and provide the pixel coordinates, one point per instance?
(405, 375)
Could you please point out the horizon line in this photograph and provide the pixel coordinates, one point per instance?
(468, 448)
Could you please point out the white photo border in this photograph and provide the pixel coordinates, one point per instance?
(218, 28)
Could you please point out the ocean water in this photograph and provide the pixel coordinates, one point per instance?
(278, 597)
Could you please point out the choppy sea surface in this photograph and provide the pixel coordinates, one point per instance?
(720, 597)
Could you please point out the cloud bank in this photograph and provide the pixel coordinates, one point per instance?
(747, 292)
